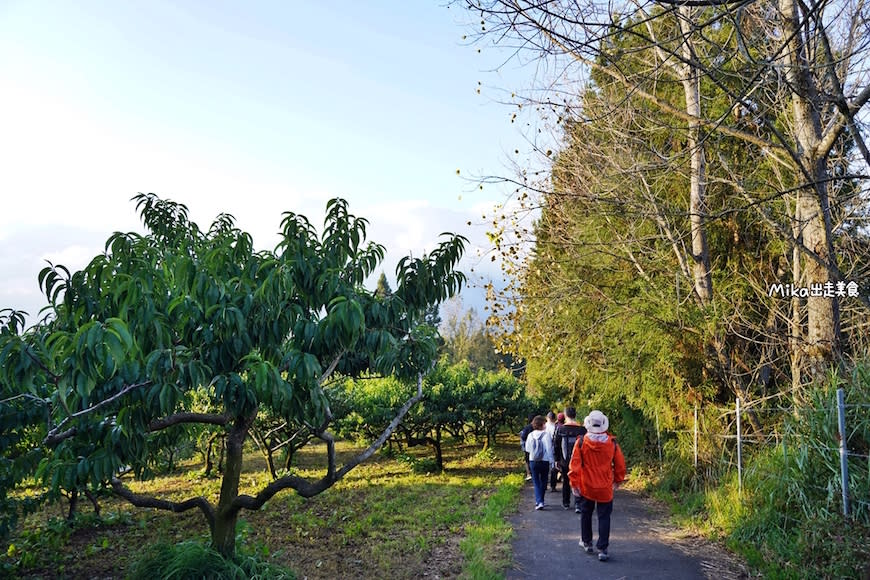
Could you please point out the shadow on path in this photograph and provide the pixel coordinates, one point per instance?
(546, 544)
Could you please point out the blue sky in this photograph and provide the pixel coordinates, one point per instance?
(246, 108)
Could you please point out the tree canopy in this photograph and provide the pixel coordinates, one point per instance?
(136, 341)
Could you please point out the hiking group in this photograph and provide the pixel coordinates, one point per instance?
(588, 460)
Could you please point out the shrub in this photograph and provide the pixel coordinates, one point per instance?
(418, 464)
(192, 560)
(789, 520)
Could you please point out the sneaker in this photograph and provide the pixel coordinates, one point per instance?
(587, 547)
(576, 510)
(602, 555)
(539, 506)
(528, 478)
(566, 507)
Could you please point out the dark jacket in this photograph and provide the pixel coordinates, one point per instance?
(562, 432)
(525, 433)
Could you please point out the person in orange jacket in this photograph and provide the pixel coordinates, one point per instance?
(597, 468)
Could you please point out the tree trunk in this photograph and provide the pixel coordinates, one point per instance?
(94, 502)
(73, 504)
(270, 463)
(796, 330)
(224, 534)
(439, 457)
(288, 460)
(209, 465)
(822, 338)
(822, 345)
(698, 178)
(265, 448)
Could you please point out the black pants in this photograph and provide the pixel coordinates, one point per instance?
(567, 494)
(554, 473)
(604, 510)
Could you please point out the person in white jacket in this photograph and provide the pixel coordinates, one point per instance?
(539, 446)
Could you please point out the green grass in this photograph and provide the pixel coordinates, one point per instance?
(787, 521)
(486, 546)
(385, 519)
(783, 531)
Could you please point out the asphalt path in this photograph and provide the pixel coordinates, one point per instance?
(546, 544)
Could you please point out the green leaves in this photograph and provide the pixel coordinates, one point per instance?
(185, 321)
(53, 280)
(344, 323)
(432, 279)
(455, 400)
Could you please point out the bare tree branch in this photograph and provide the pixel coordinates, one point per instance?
(329, 370)
(54, 436)
(178, 507)
(24, 396)
(306, 488)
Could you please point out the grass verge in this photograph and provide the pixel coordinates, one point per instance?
(486, 546)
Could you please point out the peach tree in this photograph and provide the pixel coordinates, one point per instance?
(162, 320)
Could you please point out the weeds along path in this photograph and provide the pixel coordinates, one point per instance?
(642, 544)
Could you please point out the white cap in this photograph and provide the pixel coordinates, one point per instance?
(596, 422)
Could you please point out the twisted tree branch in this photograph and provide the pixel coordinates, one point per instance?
(306, 488)
(145, 501)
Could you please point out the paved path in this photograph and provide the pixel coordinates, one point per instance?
(546, 544)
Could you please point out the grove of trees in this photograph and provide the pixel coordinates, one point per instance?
(710, 152)
(181, 328)
(457, 402)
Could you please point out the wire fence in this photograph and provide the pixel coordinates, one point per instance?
(822, 448)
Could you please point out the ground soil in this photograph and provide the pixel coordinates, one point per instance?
(643, 544)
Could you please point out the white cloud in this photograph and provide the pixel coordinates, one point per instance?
(69, 177)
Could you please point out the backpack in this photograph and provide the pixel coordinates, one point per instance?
(566, 437)
(537, 452)
(568, 442)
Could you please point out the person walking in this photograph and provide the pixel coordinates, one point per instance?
(550, 428)
(596, 469)
(539, 446)
(524, 433)
(564, 441)
(556, 472)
